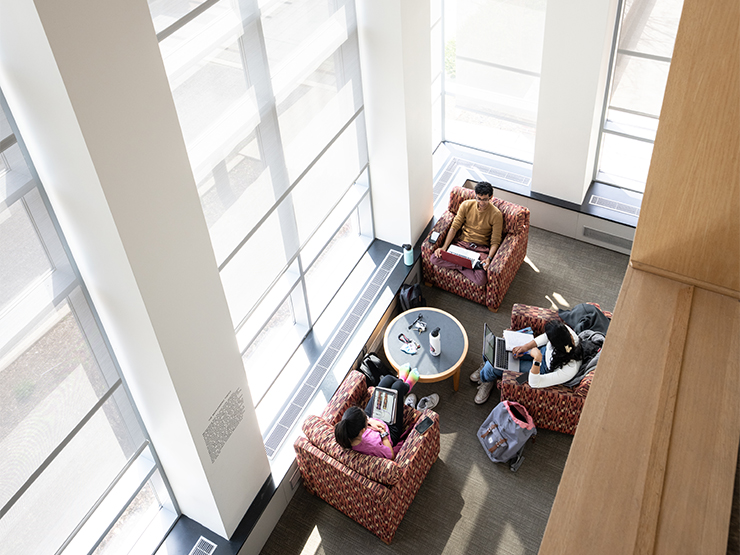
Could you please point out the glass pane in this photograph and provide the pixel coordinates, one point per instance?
(650, 26)
(46, 390)
(493, 56)
(298, 30)
(257, 264)
(44, 516)
(627, 159)
(23, 260)
(326, 182)
(14, 172)
(633, 124)
(270, 351)
(312, 115)
(132, 523)
(334, 265)
(166, 12)
(215, 106)
(235, 195)
(639, 85)
(5, 130)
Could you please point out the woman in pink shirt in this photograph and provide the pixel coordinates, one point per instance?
(371, 436)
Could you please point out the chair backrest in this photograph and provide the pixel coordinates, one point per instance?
(516, 218)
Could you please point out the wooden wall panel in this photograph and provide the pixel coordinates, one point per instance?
(689, 225)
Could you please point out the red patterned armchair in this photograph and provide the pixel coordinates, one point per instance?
(373, 491)
(504, 265)
(555, 408)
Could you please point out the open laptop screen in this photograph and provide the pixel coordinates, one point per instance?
(489, 344)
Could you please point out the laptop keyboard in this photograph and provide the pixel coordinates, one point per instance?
(502, 357)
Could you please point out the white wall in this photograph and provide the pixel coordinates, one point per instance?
(395, 56)
(575, 63)
(87, 87)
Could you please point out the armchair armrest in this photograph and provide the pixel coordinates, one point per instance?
(504, 266)
(419, 445)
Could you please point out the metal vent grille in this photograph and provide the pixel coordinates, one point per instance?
(203, 547)
(614, 205)
(604, 237)
(305, 392)
(486, 173)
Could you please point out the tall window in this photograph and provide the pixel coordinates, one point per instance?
(491, 57)
(78, 474)
(647, 32)
(269, 98)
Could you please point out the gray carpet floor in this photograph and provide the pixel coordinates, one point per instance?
(468, 504)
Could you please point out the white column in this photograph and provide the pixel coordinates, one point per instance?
(86, 84)
(395, 55)
(575, 63)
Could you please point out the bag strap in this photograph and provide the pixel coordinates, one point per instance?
(491, 427)
(498, 444)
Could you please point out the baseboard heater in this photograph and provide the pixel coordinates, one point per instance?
(320, 369)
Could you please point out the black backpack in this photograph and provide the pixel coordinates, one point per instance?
(373, 368)
(410, 297)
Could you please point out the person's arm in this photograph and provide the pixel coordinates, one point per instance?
(559, 376)
(457, 223)
(381, 427)
(496, 227)
(538, 341)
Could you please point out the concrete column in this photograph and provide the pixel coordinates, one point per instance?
(87, 87)
(575, 64)
(395, 55)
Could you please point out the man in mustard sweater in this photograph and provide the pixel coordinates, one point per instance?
(479, 223)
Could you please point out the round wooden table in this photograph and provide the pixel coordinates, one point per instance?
(454, 342)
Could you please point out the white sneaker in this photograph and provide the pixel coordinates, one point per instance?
(428, 402)
(475, 376)
(484, 391)
(410, 400)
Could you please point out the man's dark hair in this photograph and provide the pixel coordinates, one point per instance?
(350, 426)
(484, 188)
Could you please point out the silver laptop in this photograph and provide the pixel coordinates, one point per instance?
(494, 351)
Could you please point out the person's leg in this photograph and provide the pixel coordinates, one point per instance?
(489, 374)
(479, 277)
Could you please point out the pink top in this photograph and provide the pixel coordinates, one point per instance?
(371, 444)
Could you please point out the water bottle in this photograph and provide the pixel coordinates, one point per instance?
(435, 346)
(408, 255)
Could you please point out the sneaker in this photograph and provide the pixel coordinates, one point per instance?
(428, 402)
(484, 391)
(475, 376)
(410, 400)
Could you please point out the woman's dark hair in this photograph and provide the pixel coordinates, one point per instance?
(562, 344)
(350, 426)
(484, 188)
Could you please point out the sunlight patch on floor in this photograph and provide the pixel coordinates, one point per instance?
(313, 544)
(531, 264)
(561, 300)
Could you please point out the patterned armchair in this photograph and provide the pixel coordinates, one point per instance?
(373, 491)
(504, 265)
(555, 408)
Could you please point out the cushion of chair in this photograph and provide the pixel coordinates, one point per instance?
(321, 434)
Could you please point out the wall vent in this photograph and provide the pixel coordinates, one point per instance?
(614, 205)
(608, 238)
(315, 376)
(203, 547)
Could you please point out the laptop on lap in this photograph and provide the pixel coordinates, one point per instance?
(494, 352)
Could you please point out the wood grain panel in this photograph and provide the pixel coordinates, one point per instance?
(699, 478)
(610, 481)
(689, 223)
